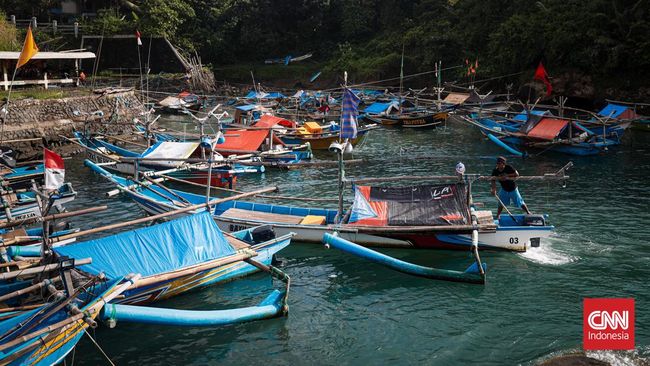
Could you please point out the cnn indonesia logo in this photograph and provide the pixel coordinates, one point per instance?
(608, 324)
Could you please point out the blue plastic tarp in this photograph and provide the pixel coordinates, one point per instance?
(613, 110)
(534, 112)
(377, 108)
(153, 250)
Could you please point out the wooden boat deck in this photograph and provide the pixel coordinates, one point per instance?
(484, 218)
(236, 213)
(236, 243)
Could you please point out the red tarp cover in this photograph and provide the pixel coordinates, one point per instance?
(548, 128)
(268, 121)
(242, 141)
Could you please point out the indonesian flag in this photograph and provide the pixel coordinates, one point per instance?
(137, 36)
(54, 169)
(541, 75)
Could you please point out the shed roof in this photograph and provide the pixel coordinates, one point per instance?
(8, 55)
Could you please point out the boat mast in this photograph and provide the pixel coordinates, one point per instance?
(401, 80)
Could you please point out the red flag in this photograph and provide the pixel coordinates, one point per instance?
(541, 75)
(137, 35)
(54, 169)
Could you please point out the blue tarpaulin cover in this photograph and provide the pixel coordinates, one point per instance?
(377, 107)
(153, 250)
(613, 110)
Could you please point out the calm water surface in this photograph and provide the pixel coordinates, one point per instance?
(347, 311)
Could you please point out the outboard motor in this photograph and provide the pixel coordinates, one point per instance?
(262, 233)
(534, 220)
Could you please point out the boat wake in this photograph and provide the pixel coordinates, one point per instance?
(547, 253)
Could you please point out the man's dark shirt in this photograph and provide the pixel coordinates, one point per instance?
(507, 185)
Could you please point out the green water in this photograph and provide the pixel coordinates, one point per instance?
(346, 311)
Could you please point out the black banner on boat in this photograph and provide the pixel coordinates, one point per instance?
(411, 206)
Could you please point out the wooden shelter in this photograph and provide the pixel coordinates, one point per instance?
(40, 69)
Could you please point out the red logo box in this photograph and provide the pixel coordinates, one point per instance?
(608, 324)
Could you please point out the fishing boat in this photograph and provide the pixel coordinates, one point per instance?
(21, 177)
(443, 229)
(154, 160)
(26, 204)
(44, 335)
(180, 102)
(541, 130)
(623, 111)
(321, 137)
(261, 140)
(177, 256)
(419, 119)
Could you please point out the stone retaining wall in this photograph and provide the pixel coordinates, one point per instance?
(48, 120)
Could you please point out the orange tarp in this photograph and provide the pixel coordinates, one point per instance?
(242, 141)
(548, 128)
(269, 121)
(379, 207)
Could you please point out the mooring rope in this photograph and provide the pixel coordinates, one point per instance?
(98, 347)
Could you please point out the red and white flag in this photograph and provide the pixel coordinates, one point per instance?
(137, 36)
(54, 169)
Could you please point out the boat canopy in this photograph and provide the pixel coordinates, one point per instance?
(456, 98)
(410, 206)
(153, 250)
(170, 150)
(379, 107)
(269, 121)
(618, 111)
(548, 128)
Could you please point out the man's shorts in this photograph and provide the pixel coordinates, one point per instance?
(511, 197)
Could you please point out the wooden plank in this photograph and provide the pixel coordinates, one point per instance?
(237, 213)
(236, 243)
(484, 217)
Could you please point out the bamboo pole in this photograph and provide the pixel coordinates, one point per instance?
(194, 269)
(29, 289)
(40, 269)
(260, 196)
(160, 216)
(549, 176)
(20, 308)
(56, 216)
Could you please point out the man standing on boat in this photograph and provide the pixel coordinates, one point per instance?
(509, 192)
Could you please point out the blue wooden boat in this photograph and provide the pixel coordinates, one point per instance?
(45, 335)
(24, 205)
(22, 177)
(113, 158)
(516, 233)
(177, 256)
(539, 130)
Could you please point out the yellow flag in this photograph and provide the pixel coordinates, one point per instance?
(29, 49)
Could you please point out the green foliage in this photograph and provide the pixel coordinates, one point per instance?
(8, 39)
(365, 37)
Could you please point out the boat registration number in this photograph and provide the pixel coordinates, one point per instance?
(234, 227)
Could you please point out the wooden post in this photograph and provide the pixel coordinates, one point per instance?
(34, 23)
(5, 77)
(76, 29)
(54, 26)
(45, 78)
(12, 19)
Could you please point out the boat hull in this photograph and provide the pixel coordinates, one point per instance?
(418, 121)
(511, 238)
(169, 288)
